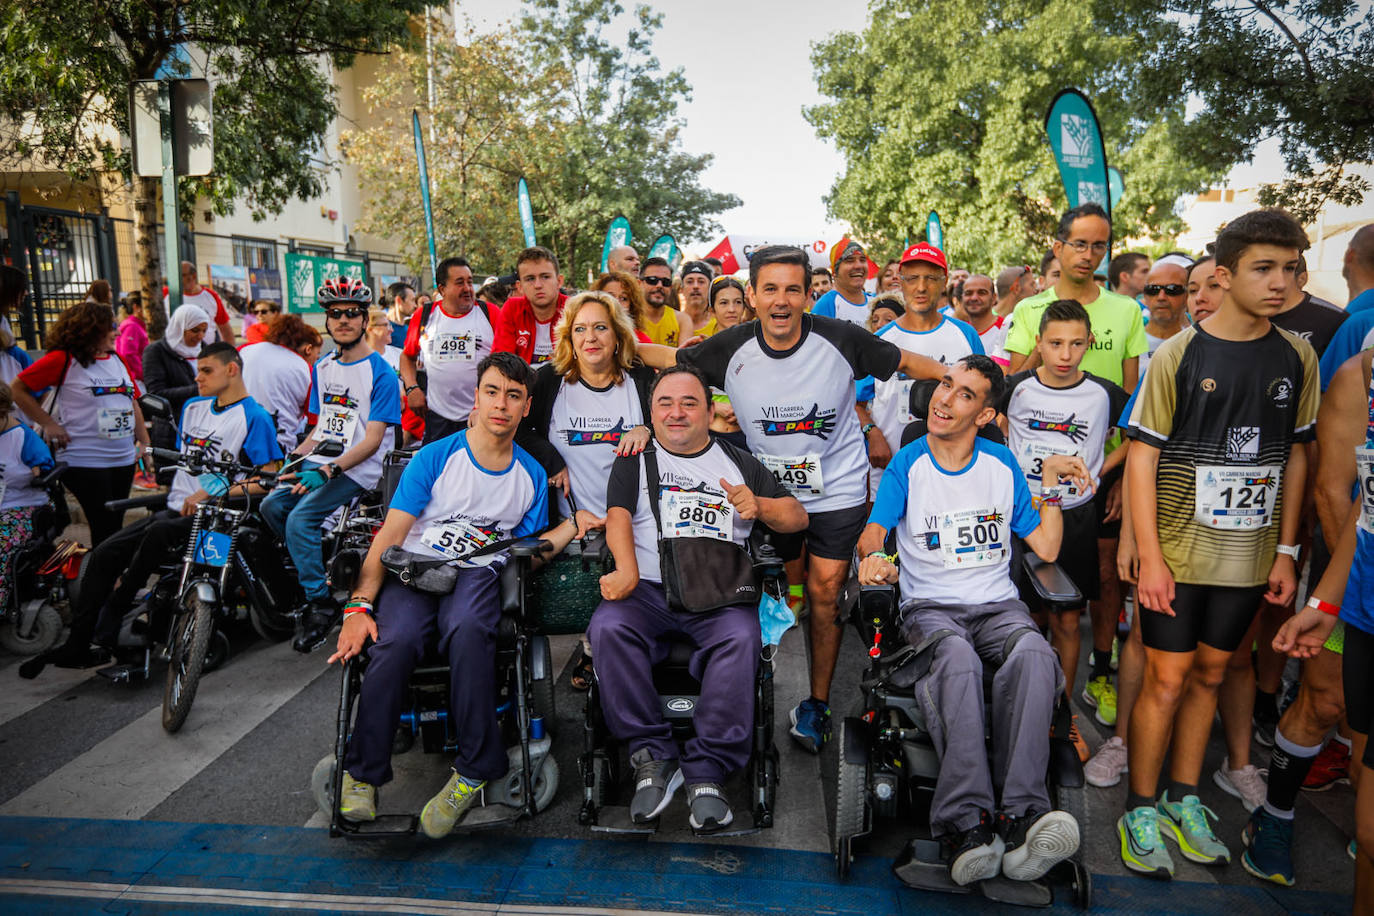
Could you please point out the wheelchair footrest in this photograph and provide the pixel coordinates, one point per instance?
(920, 865)
(384, 825)
(616, 819)
(130, 673)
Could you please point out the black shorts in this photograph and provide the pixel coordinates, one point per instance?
(831, 535)
(1078, 549)
(1108, 531)
(1357, 672)
(1214, 615)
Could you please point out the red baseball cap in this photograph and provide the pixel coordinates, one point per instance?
(924, 251)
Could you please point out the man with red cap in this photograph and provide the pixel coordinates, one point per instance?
(848, 301)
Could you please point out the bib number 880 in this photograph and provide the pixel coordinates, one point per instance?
(697, 515)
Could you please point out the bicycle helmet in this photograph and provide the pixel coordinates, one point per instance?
(344, 289)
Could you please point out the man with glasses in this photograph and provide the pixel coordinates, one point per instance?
(263, 311)
(1166, 297)
(354, 400)
(665, 326)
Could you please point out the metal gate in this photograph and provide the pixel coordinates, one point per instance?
(67, 252)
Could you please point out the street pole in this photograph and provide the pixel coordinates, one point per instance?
(171, 246)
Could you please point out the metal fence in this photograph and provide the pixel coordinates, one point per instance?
(63, 252)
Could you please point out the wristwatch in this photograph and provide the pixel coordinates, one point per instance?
(868, 428)
(334, 470)
(1290, 551)
(410, 388)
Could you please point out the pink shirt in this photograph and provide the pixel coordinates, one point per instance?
(130, 344)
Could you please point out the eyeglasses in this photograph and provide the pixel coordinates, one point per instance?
(1081, 246)
(656, 281)
(345, 313)
(1172, 289)
(265, 311)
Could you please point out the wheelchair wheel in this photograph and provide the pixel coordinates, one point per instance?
(190, 645)
(322, 785)
(542, 703)
(47, 627)
(270, 626)
(545, 784)
(218, 653)
(851, 787)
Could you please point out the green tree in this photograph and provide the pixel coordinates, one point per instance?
(1301, 71)
(487, 105)
(618, 140)
(66, 70)
(941, 106)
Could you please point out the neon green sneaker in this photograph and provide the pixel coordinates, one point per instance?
(448, 807)
(1142, 848)
(1101, 696)
(358, 800)
(1187, 825)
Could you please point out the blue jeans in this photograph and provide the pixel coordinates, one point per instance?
(297, 520)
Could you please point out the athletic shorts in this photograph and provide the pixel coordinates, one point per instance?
(1077, 555)
(832, 535)
(1358, 676)
(1214, 615)
(1107, 530)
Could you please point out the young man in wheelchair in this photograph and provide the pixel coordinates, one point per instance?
(955, 500)
(707, 493)
(459, 499)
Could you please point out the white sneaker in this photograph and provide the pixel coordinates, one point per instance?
(1105, 767)
(1250, 784)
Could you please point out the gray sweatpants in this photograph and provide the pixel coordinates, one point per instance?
(951, 695)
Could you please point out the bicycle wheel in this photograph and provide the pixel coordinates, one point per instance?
(190, 645)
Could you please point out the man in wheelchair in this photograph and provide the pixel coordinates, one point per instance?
(681, 571)
(955, 500)
(464, 498)
(225, 422)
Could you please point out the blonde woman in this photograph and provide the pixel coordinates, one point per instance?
(591, 403)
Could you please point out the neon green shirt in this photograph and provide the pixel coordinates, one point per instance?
(1118, 332)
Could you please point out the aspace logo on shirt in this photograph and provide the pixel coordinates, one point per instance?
(788, 421)
(341, 399)
(121, 388)
(1071, 426)
(597, 437)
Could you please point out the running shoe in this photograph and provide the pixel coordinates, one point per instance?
(316, 621)
(447, 808)
(710, 811)
(358, 801)
(1264, 729)
(1249, 783)
(1101, 696)
(1186, 823)
(811, 724)
(1036, 842)
(145, 481)
(1104, 768)
(1142, 848)
(656, 782)
(1350, 850)
(1268, 851)
(1332, 766)
(975, 854)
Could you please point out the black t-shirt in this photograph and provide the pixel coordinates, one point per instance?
(1314, 320)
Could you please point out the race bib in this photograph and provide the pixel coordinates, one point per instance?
(696, 515)
(972, 538)
(1231, 499)
(801, 475)
(1364, 467)
(1032, 457)
(2, 486)
(116, 422)
(455, 539)
(904, 414)
(337, 423)
(452, 348)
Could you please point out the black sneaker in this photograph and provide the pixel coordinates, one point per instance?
(313, 625)
(1036, 842)
(1264, 729)
(656, 782)
(710, 811)
(975, 854)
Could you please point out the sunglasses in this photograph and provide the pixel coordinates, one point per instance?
(266, 311)
(656, 281)
(1172, 289)
(345, 313)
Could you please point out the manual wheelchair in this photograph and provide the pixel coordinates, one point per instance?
(604, 765)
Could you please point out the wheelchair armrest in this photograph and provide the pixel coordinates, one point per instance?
(155, 502)
(49, 479)
(529, 547)
(1050, 582)
(511, 584)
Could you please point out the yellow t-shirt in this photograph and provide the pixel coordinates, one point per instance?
(670, 330)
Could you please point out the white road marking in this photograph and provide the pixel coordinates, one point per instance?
(21, 696)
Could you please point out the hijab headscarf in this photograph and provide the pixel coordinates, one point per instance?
(182, 320)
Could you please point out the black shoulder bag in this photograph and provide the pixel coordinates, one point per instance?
(699, 574)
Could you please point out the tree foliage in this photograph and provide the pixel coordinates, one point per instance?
(941, 106)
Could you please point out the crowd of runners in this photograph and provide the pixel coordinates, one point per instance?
(1191, 439)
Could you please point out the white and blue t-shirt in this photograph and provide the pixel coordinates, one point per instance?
(21, 450)
(954, 527)
(833, 305)
(946, 343)
(460, 506)
(242, 432)
(344, 398)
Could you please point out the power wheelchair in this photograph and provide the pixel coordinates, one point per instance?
(604, 764)
(885, 762)
(525, 709)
